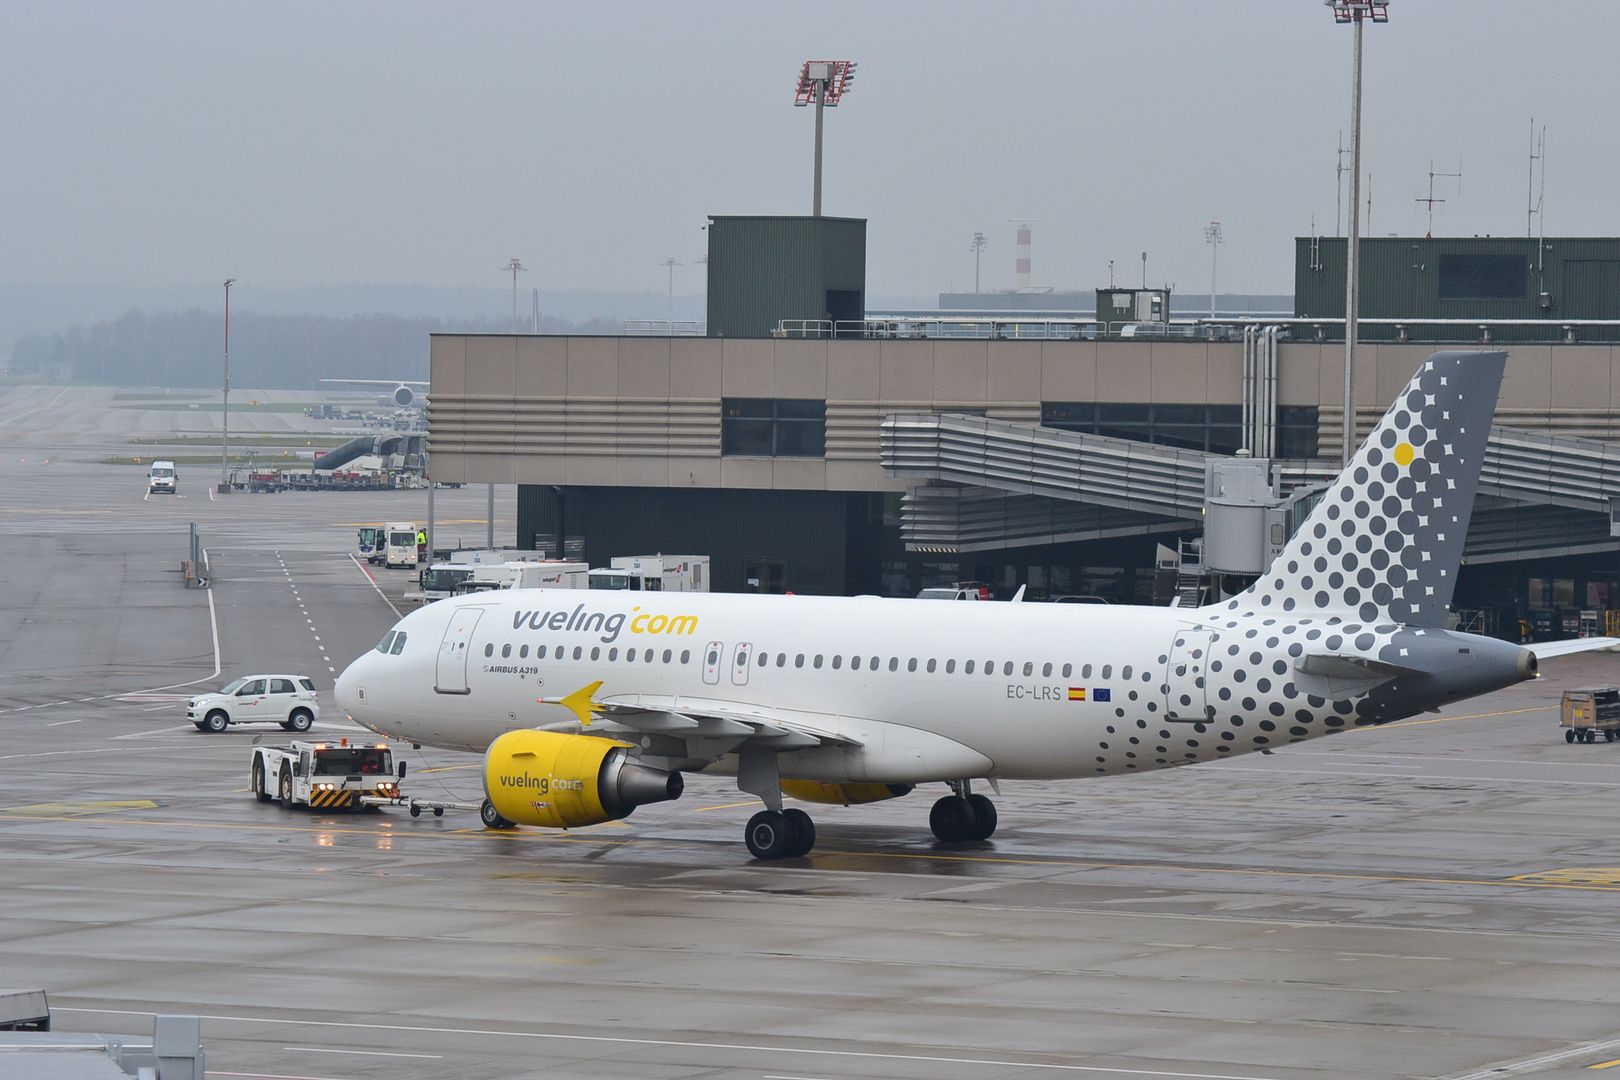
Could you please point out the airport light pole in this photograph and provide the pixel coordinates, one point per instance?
(979, 243)
(1354, 12)
(1213, 237)
(822, 83)
(514, 268)
(225, 400)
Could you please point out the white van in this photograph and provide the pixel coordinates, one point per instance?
(162, 478)
(401, 548)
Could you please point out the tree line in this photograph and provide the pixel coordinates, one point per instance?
(272, 352)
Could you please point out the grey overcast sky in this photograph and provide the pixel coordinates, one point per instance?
(293, 144)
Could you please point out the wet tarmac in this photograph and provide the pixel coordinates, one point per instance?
(1432, 899)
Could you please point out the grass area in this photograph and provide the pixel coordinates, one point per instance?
(267, 461)
(214, 406)
(277, 440)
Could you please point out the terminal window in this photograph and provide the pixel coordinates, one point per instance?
(773, 427)
(1483, 277)
(1217, 429)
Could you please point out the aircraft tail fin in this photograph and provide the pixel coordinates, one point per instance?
(1385, 542)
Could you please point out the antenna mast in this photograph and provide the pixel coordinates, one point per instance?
(1338, 188)
(1532, 203)
(1431, 200)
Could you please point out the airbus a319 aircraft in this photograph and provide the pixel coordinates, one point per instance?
(587, 705)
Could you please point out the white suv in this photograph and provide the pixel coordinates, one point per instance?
(288, 700)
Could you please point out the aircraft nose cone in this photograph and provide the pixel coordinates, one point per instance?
(346, 689)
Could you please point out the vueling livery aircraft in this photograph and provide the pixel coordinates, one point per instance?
(587, 705)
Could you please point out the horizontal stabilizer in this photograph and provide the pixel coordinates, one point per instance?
(1546, 649)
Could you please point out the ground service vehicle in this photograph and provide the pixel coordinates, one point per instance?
(324, 775)
(372, 542)
(162, 478)
(654, 573)
(288, 700)
(400, 544)
(457, 579)
(587, 705)
(1589, 711)
(966, 590)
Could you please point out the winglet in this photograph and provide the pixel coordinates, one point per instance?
(1018, 597)
(579, 701)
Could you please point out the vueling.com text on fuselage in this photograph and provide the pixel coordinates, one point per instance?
(579, 621)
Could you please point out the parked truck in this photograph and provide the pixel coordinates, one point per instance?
(654, 573)
(443, 580)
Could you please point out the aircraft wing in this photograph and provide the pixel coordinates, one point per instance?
(1547, 649)
(697, 718)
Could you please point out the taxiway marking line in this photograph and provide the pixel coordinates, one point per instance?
(1605, 1064)
(689, 1044)
(363, 1053)
(275, 1076)
(578, 837)
(42, 408)
(1474, 716)
(374, 585)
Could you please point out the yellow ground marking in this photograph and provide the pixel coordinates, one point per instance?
(1605, 1064)
(1576, 875)
(58, 810)
(42, 408)
(728, 806)
(451, 768)
(1471, 716)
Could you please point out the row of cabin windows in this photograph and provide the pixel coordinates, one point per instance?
(931, 665)
(873, 663)
(560, 652)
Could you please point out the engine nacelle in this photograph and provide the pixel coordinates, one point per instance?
(818, 791)
(565, 781)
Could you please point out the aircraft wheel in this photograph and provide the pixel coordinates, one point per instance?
(984, 817)
(215, 722)
(259, 786)
(492, 817)
(804, 833)
(768, 835)
(1569, 736)
(285, 786)
(952, 819)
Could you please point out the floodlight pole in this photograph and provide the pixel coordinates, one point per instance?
(1212, 236)
(821, 98)
(513, 268)
(225, 399)
(1355, 12)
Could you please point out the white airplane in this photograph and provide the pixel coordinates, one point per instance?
(588, 705)
(403, 395)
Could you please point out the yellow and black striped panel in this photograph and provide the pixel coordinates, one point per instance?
(332, 798)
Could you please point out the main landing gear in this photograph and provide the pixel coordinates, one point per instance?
(784, 834)
(962, 816)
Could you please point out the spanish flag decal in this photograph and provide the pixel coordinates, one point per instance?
(1077, 693)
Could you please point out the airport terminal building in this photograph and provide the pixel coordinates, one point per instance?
(809, 452)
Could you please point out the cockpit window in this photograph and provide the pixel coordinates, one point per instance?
(388, 639)
(399, 644)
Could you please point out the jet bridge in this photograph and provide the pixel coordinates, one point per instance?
(997, 484)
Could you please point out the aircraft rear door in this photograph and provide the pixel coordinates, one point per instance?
(739, 664)
(451, 675)
(1186, 676)
(713, 657)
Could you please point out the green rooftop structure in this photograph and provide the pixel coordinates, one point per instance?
(1555, 281)
(763, 270)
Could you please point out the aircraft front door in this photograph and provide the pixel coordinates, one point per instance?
(451, 675)
(1186, 675)
(713, 660)
(739, 664)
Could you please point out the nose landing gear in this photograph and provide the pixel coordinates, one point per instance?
(962, 816)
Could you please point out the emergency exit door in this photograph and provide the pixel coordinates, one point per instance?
(451, 675)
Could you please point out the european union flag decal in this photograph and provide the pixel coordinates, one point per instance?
(1101, 693)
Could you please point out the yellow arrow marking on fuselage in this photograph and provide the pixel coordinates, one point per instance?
(579, 701)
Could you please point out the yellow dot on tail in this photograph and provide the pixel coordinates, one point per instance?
(1403, 454)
